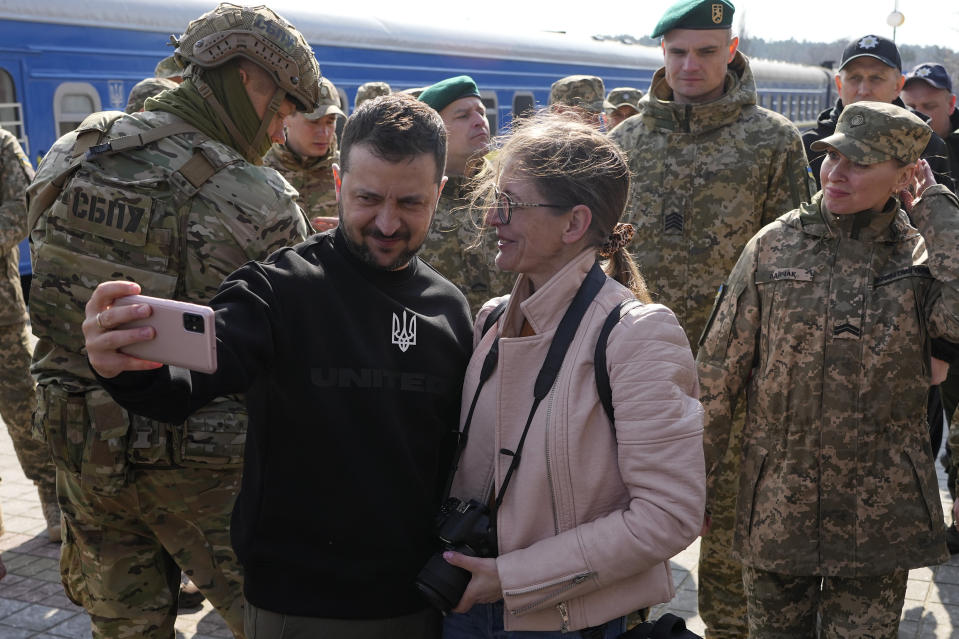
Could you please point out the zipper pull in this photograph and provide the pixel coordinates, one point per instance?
(564, 613)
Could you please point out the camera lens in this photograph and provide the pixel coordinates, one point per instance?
(193, 322)
(441, 583)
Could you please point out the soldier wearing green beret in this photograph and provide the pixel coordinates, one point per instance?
(306, 158)
(452, 247)
(827, 308)
(580, 94)
(710, 168)
(621, 103)
(370, 90)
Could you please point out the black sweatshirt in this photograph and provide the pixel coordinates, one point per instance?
(353, 378)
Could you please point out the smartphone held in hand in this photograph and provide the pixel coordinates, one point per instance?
(185, 334)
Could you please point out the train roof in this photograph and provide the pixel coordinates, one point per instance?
(326, 28)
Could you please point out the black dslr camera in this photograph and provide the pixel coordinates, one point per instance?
(464, 527)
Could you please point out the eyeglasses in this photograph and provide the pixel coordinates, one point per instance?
(504, 205)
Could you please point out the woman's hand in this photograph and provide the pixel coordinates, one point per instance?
(922, 179)
(103, 343)
(484, 587)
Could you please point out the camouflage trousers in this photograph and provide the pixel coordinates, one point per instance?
(122, 555)
(17, 401)
(722, 600)
(787, 607)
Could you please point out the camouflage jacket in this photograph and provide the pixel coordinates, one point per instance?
(311, 177)
(825, 323)
(472, 270)
(15, 175)
(242, 213)
(706, 178)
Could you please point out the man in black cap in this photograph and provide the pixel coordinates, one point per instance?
(451, 246)
(871, 69)
(710, 168)
(928, 89)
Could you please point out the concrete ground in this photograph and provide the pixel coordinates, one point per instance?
(32, 603)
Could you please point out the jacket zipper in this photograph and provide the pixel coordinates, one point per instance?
(549, 471)
(564, 613)
(578, 579)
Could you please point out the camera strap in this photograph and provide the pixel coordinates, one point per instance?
(565, 333)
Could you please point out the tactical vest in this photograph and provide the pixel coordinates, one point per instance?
(108, 217)
(103, 224)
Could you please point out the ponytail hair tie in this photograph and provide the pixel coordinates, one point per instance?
(618, 238)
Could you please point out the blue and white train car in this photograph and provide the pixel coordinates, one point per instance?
(63, 59)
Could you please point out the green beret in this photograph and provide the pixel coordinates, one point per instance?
(696, 14)
(445, 92)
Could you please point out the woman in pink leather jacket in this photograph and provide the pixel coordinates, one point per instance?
(593, 510)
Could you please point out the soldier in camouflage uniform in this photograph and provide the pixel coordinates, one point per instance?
(452, 246)
(580, 94)
(144, 89)
(826, 309)
(370, 90)
(169, 69)
(172, 199)
(621, 103)
(709, 168)
(307, 156)
(17, 395)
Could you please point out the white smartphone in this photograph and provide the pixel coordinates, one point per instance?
(185, 333)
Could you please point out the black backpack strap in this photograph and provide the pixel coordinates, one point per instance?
(494, 315)
(599, 359)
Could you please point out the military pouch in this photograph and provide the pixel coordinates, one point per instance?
(104, 467)
(211, 439)
(61, 419)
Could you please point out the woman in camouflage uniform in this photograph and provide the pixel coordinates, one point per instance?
(829, 309)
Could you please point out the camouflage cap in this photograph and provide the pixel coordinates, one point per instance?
(446, 92)
(144, 89)
(370, 90)
(168, 68)
(584, 91)
(329, 101)
(873, 132)
(623, 96)
(696, 14)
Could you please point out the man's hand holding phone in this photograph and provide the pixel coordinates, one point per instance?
(126, 333)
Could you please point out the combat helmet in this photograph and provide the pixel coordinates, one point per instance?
(260, 35)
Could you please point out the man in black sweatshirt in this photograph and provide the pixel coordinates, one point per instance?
(351, 352)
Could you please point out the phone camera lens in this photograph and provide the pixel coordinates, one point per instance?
(193, 322)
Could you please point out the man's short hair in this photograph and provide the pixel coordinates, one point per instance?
(396, 127)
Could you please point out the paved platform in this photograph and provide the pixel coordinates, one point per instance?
(32, 603)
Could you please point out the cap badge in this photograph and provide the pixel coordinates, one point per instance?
(923, 71)
(857, 120)
(324, 91)
(869, 42)
(717, 13)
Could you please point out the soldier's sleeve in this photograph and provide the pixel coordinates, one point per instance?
(936, 215)
(15, 176)
(791, 181)
(727, 352)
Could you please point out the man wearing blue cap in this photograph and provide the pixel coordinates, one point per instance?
(710, 168)
(871, 69)
(451, 246)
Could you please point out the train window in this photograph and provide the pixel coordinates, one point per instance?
(523, 103)
(492, 114)
(11, 112)
(73, 101)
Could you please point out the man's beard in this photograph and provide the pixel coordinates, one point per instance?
(365, 255)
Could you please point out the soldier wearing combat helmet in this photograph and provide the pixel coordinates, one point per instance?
(174, 199)
(827, 309)
(710, 168)
(306, 158)
(581, 94)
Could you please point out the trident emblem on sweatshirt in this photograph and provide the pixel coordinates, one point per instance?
(404, 335)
